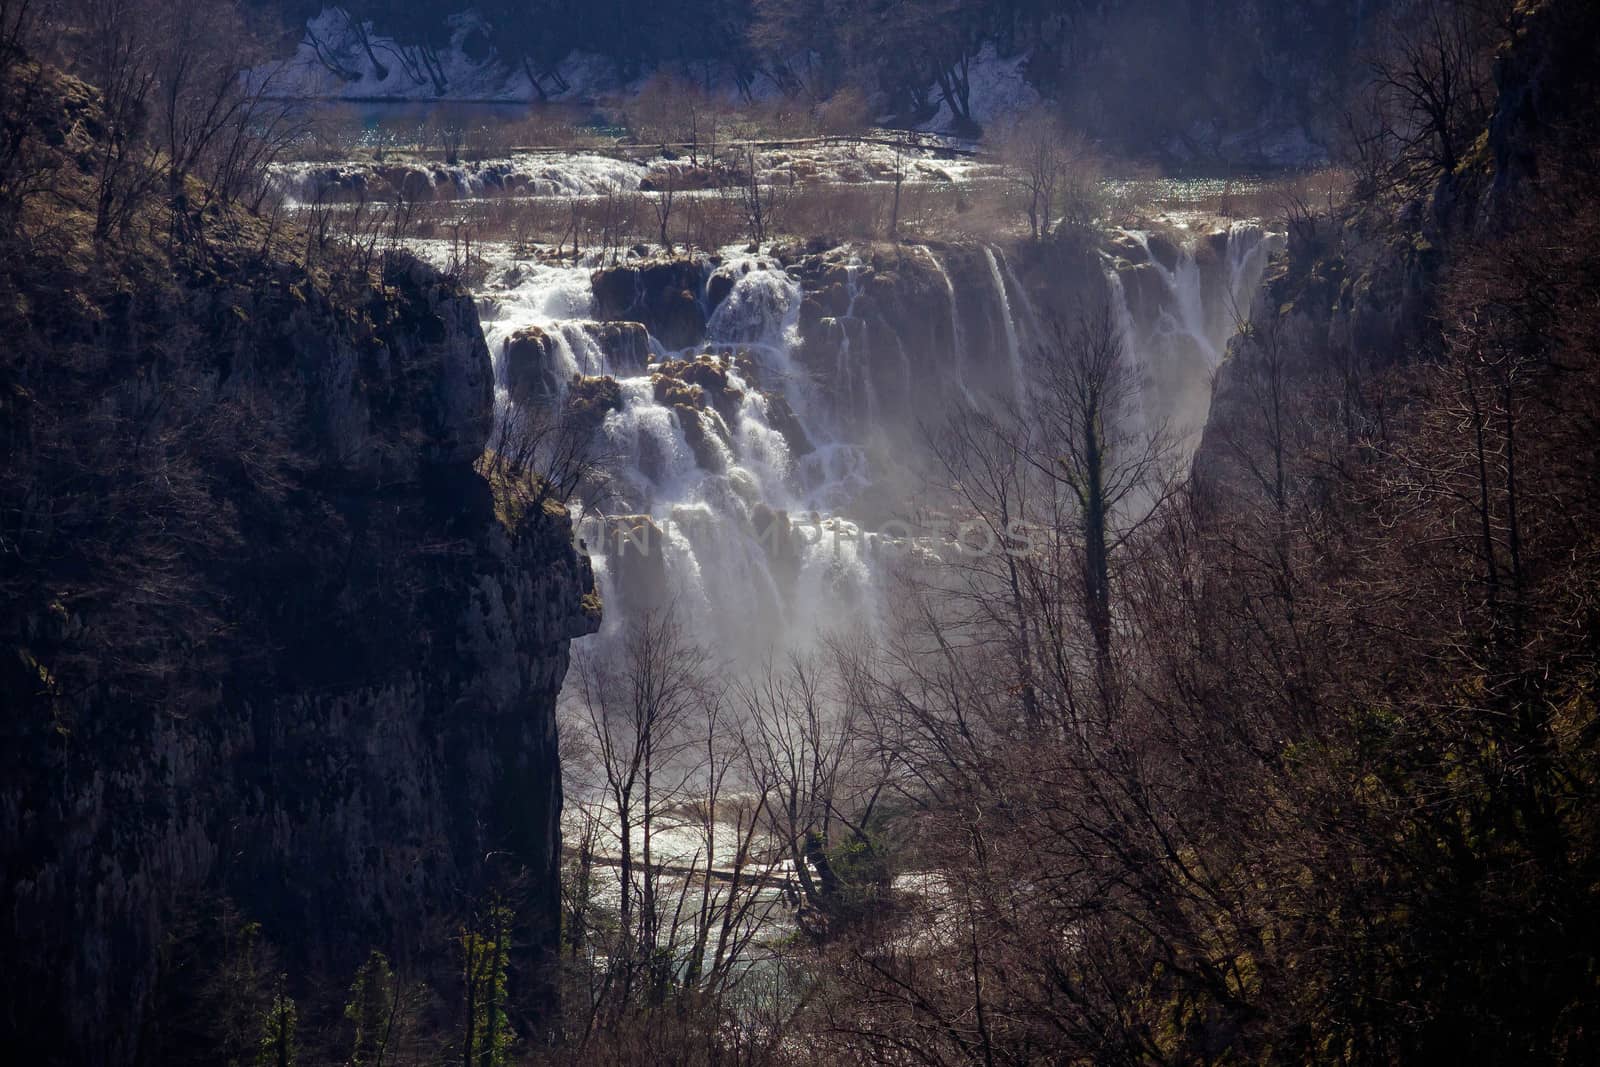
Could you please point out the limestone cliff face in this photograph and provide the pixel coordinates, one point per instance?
(268, 641)
(1357, 290)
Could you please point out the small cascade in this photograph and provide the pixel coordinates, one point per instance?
(1184, 314)
(958, 339)
(1019, 375)
(530, 174)
(1022, 294)
(1131, 347)
(1249, 248)
(855, 399)
(1177, 310)
(552, 297)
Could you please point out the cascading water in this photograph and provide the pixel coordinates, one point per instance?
(711, 485)
(531, 174)
(1176, 318)
(1019, 374)
(958, 337)
(714, 559)
(1132, 350)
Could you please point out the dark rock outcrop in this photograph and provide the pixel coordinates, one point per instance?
(901, 333)
(532, 373)
(275, 654)
(1357, 289)
(590, 400)
(635, 547)
(664, 294)
(706, 373)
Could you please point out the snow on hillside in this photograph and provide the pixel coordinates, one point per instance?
(334, 62)
(998, 91)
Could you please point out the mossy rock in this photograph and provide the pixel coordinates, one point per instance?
(590, 400)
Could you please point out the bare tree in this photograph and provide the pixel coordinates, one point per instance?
(637, 713)
(1117, 476)
(662, 203)
(1054, 172)
(1433, 81)
(541, 455)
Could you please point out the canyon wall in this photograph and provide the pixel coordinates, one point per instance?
(276, 672)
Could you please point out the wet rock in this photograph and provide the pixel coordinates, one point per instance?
(674, 393)
(781, 417)
(706, 435)
(531, 367)
(1125, 247)
(783, 545)
(663, 294)
(1164, 250)
(1146, 290)
(698, 392)
(634, 551)
(626, 345)
(709, 375)
(718, 286)
(590, 400)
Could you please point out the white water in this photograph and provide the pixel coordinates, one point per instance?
(719, 573)
(557, 298)
(728, 589)
(1019, 374)
(1177, 332)
(533, 174)
(1131, 347)
(958, 337)
(721, 579)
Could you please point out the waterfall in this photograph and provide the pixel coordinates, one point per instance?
(733, 588)
(1019, 377)
(1022, 294)
(715, 481)
(958, 340)
(1249, 248)
(1131, 348)
(1176, 331)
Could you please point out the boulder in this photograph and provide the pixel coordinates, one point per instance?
(699, 426)
(626, 345)
(710, 376)
(663, 294)
(718, 286)
(781, 417)
(1164, 250)
(590, 400)
(531, 367)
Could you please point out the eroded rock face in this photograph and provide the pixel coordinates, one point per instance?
(707, 374)
(635, 547)
(365, 740)
(902, 333)
(590, 400)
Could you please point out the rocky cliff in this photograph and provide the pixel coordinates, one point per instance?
(1359, 290)
(268, 652)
